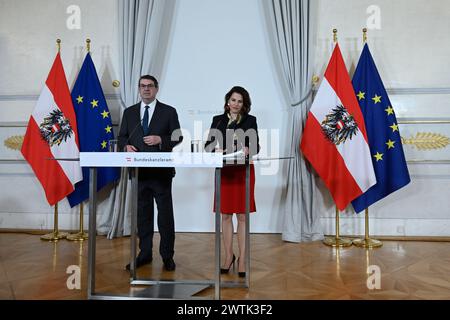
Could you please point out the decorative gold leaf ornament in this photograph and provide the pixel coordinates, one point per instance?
(14, 142)
(427, 141)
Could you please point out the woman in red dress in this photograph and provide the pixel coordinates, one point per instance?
(234, 130)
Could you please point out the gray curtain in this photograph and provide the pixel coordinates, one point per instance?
(144, 29)
(291, 27)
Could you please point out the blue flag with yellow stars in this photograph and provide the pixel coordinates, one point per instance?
(94, 127)
(385, 143)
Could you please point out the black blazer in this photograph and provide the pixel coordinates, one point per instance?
(163, 123)
(227, 140)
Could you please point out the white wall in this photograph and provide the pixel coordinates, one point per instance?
(28, 33)
(216, 44)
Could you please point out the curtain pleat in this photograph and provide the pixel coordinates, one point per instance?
(290, 25)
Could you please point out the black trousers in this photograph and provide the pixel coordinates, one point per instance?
(160, 190)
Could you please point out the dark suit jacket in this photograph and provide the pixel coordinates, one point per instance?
(163, 123)
(220, 123)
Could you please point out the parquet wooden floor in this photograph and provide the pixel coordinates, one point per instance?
(34, 269)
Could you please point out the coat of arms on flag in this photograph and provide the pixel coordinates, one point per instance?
(339, 125)
(55, 128)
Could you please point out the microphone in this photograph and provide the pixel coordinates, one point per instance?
(209, 142)
(220, 121)
(127, 142)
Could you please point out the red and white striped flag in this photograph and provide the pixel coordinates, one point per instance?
(335, 140)
(52, 133)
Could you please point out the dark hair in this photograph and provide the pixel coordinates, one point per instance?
(247, 102)
(149, 77)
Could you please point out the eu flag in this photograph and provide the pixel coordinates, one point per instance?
(385, 143)
(94, 127)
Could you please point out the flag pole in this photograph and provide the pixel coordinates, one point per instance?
(367, 242)
(55, 235)
(80, 235)
(337, 241)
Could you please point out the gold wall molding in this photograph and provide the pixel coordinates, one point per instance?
(434, 121)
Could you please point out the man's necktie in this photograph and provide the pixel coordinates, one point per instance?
(145, 121)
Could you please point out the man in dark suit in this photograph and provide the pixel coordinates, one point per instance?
(148, 127)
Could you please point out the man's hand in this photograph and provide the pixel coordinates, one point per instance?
(152, 140)
(130, 148)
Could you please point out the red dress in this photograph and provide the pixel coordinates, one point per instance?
(232, 190)
(232, 187)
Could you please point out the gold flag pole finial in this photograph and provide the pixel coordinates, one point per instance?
(364, 35)
(88, 45)
(58, 44)
(334, 35)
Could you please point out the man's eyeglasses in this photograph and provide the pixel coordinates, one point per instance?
(149, 86)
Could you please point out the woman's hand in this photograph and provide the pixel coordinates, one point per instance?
(130, 148)
(218, 150)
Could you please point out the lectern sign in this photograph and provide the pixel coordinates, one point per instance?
(151, 159)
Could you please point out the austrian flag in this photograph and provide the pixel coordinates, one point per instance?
(52, 133)
(334, 140)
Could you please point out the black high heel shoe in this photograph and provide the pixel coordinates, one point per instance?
(240, 274)
(223, 271)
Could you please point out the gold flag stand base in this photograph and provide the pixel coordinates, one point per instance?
(337, 242)
(54, 236)
(367, 243)
(80, 236)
